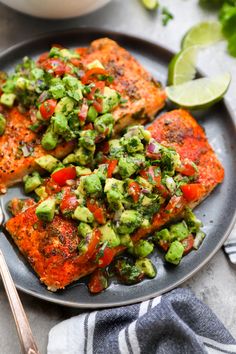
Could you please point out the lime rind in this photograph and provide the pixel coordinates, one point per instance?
(182, 67)
(150, 4)
(200, 93)
(203, 34)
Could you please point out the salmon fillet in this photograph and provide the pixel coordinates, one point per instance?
(51, 249)
(19, 149)
(144, 98)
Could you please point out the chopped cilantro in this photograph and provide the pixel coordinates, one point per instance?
(166, 16)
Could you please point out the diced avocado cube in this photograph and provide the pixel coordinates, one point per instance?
(46, 209)
(37, 73)
(95, 64)
(71, 82)
(111, 99)
(138, 131)
(115, 148)
(170, 160)
(69, 54)
(109, 235)
(92, 185)
(102, 122)
(129, 221)
(21, 83)
(175, 253)
(132, 144)
(102, 172)
(92, 114)
(170, 184)
(82, 171)
(7, 99)
(143, 248)
(146, 201)
(3, 124)
(60, 124)
(114, 198)
(113, 183)
(127, 167)
(83, 214)
(41, 192)
(146, 266)
(179, 231)
(125, 240)
(145, 223)
(50, 139)
(32, 182)
(71, 158)
(87, 139)
(164, 235)
(144, 183)
(83, 156)
(57, 91)
(84, 229)
(65, 105)
(48, 162)
(192, 221)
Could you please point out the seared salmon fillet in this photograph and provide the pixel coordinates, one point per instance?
(145, 97)
(51, 248)
(19, 149)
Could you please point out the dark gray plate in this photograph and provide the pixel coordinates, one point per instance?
(217, 212)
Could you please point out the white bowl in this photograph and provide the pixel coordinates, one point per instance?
(55, 9)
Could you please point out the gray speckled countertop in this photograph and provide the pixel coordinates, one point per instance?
(215, 284)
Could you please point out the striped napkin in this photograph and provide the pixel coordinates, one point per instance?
(174, 323)
(230, 246)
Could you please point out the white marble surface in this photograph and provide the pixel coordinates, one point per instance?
(215, 284)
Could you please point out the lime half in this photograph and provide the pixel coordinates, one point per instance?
(200, 93)
(203, 34)
(182, 66)
(150, 4)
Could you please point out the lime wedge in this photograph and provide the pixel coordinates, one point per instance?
(200, 93)
(203, 34)
(182, 66)
(150, 4)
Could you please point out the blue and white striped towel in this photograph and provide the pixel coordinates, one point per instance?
(175, 323)
(230, 246)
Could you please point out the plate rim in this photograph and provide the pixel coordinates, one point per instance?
(169, 53)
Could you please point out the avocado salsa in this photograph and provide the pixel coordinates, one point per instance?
(109, 187)
(119, 190)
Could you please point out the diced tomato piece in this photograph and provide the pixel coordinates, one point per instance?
(63, 175)
(191, 192)
(76, 62)
(98, 87)
(104, 147)
(151, 174)
(98, 281)
(47, 108)
(98, 211)
(164, 245)
(83, 112)
(54, 64)
(188, 243)
(99, 216)
(91, 247)
(69, 202)
(81, 51)
(174, 202)
(98, 106)
(43, 57)
(188, 169)
(92, 73)
(111, 167)
(134, 190)
(88, 126)
(106, 259)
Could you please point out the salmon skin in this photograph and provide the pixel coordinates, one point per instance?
(19, 149)
(144, 98)
(51, 249)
